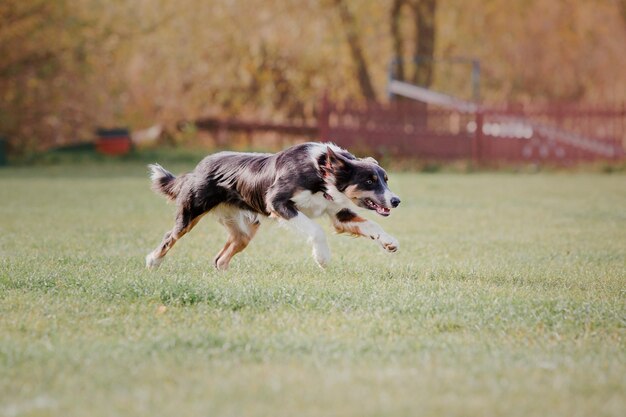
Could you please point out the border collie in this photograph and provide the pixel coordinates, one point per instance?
(293, 186)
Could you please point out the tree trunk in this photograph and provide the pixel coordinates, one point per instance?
(356, 50)
(424, 13)
(398, 42)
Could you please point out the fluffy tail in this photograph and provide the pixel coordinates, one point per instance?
(165, 182)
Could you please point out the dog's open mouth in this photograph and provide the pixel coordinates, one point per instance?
(370, 204)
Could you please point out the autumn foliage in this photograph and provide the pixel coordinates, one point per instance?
(67, 66)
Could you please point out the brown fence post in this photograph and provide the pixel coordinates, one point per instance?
(478, 141)
(622, 130)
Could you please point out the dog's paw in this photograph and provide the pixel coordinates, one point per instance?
(321, 254)
(389, 243)
(152, 262)
(221, 264)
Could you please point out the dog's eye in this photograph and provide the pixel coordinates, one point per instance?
(369, 182)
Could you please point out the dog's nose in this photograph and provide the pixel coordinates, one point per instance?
(395, 201)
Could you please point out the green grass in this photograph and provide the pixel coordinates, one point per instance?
(508, 297)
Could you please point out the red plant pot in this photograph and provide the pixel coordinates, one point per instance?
(113, 145)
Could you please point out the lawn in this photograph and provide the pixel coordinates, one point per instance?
(507, 298)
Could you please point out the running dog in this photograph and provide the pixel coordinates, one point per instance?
(302, 182)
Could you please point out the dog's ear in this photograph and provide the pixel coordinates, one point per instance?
(371, 160)
(334, 162)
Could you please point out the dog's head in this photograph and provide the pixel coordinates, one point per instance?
(363, 181)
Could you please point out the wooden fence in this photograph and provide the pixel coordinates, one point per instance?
(557, 133)
(561, 134)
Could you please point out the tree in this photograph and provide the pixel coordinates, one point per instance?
(424, 25)
(69, 66)
(34, 52)
(356, 49)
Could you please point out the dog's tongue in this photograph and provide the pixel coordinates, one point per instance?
(382, 210)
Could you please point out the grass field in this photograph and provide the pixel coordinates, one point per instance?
(507, 298)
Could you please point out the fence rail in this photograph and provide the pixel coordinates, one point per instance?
(560, 133)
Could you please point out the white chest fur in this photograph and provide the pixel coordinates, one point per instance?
(313, 205)
(316, 205)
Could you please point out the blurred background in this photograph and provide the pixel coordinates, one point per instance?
(394, 76)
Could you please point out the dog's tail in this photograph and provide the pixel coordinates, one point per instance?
(165, 182)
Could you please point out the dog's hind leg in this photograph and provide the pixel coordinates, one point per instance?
(186, 219)
(241, 230)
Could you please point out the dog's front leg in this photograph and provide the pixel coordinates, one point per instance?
(284, 209)
(314, 233)
(346, 221)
